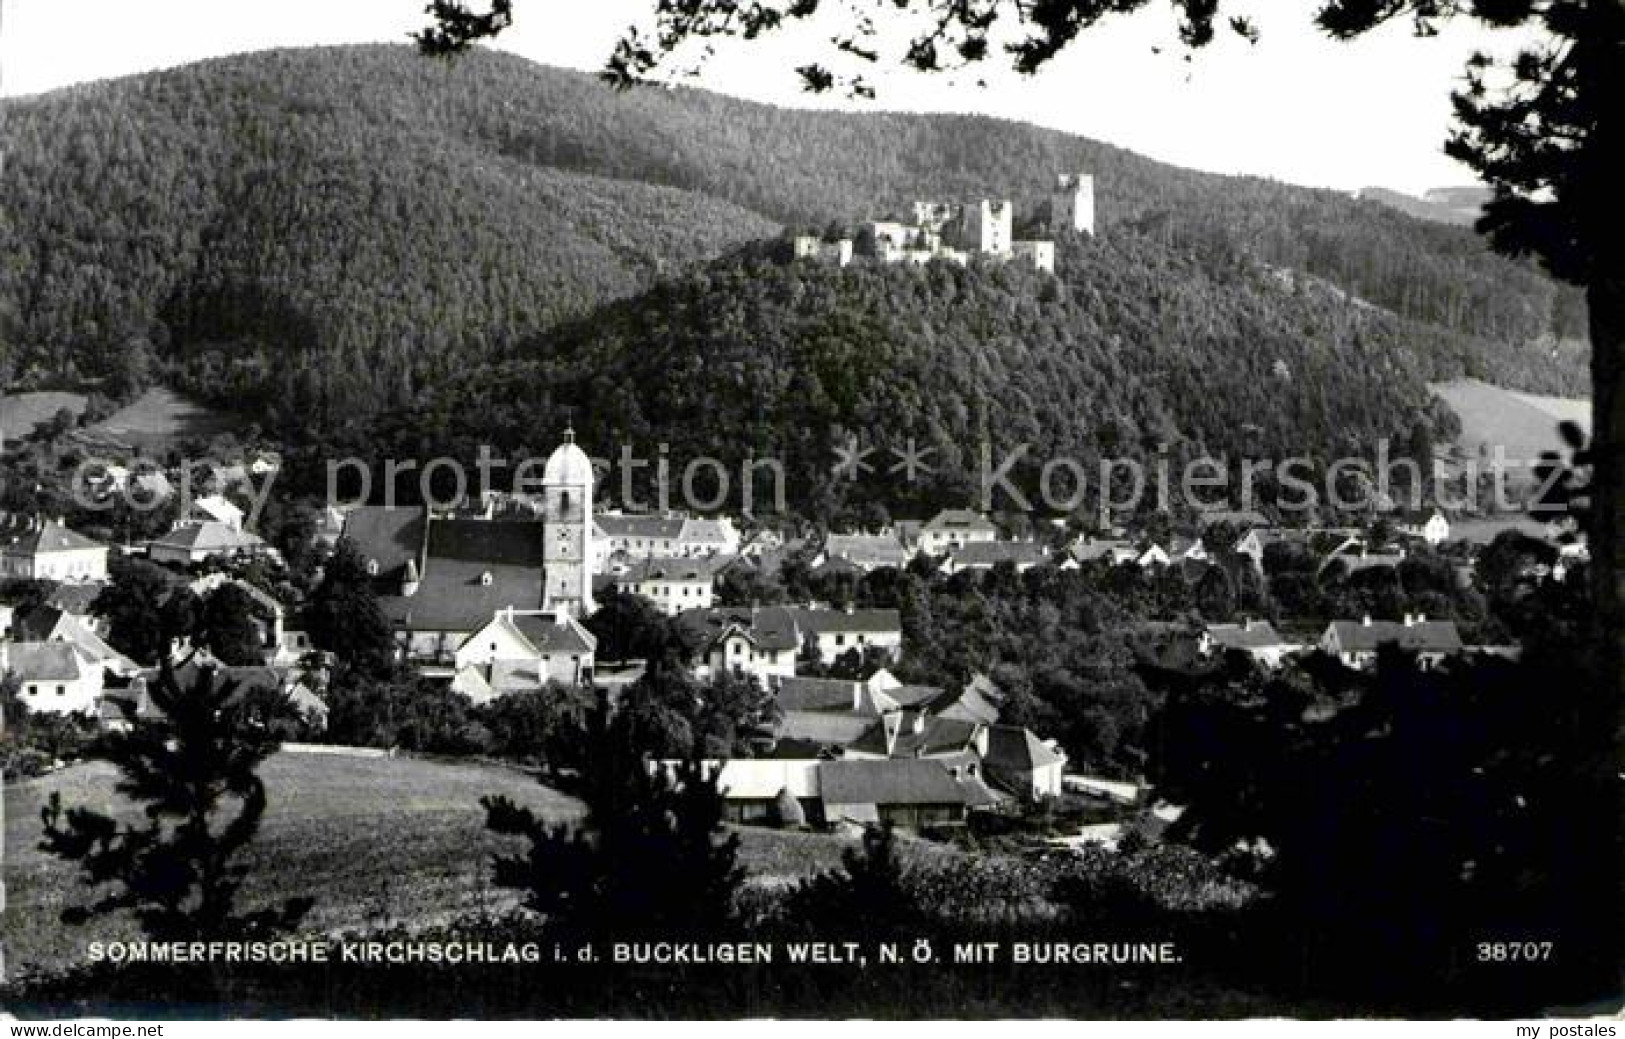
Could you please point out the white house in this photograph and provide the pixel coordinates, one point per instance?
(52, 677)
(951, 528)
(524, 650)
(835, 632)
(194, 542)
(215, 508)
(1257, 638)
(49, 551)
(1356, 643)
(672, 585)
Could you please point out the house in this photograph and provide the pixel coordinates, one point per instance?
(866, 552)
(215, 508)
(951, 528)
(194, 542)
(522, 651)
(47, 623)
(639, 536)
(52, 677)
(708, 536)
(905, 792)
(49, 551)
(1153, 554)
(1355, 643)
(751, 787)
(1016, 760)
(1257, 638)
(835, 632)
(760, 642)
(672, 585)
(1111, 551)
(985, 555)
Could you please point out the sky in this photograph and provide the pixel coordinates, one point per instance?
(1296, 106)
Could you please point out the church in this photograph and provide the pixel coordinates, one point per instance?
(441, 579)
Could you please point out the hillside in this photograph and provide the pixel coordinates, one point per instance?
(373, 840)
(1135, 349)
(1525, 425)
(363, 222)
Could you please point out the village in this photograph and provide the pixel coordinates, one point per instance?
(493, 599)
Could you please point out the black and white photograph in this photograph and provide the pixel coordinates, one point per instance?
(812, 510)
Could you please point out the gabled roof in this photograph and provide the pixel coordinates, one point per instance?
(767, 627)
(891, 782)
(75, 598)
(1011, 748)
(1419, 636)
(823, 727)
(867, 549)
(46, 538)
(894, 735)
(45, 661)
(955, 520)
(475, 568)
(816, 694)
(390, 537)
(208, 536)
(548, 636)
(668, 570)
(1103, 548)
(874, 621)
(49, 624)
(976, 701)
(1246, 635)
(992, 553)
(616, 525)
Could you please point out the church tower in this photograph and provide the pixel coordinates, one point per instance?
(567, 530)
(1072, 206)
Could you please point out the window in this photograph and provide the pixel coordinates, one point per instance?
(840, 640)
(62, 690)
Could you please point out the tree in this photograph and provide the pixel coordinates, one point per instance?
(180, 872)
(344, 617)
(227, 626)
(649, 858)
(628, 626)
(143, 611)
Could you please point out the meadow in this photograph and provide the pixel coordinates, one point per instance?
(375, 841)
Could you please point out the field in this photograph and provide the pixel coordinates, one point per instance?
(373, 840)
(1524, 424)
(157, 419)
(21, 413)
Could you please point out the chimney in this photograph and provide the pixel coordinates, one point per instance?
(857, 696)
(919, 722)
(981, 741)
(1365, 622)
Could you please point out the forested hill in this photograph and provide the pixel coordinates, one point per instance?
(362, 223)
(1135, 349)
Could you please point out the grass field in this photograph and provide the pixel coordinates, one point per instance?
(21, 413)
(1524, 424)
(156, 419)
(373, 840)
